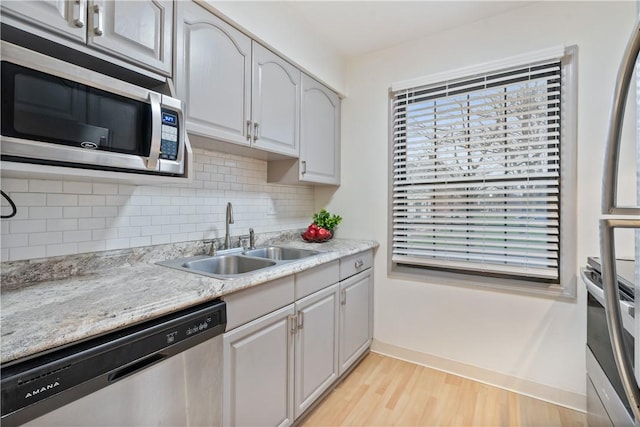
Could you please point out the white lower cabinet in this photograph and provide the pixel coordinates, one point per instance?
(316, 346)
(278, 361)
(355, 318)
(258, 372)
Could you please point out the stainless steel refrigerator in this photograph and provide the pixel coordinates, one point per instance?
(612, 280)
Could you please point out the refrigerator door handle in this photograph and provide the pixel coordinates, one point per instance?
(612, 150)
(612, 307)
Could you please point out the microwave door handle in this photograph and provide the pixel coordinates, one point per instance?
(612, 150)
(612, 307)
(156, 130)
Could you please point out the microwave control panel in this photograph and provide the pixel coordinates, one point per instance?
(169, 141)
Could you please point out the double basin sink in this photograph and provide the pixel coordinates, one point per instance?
(236, 262)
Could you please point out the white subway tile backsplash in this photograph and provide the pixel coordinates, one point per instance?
(46, 238)
(117, 244)
(25, 226)
(92, 246)
(62, 224)
(77, 211)
(62, 200)
(91, 223)
(15, 240)
(29, 199)
(63, 217)
(103, 188)
(44, 212)
(92, 200)
(26, 252)
(76, 236)
(74, 187)
(62, 249)
(104, 211)
(44, 186)
(10, 185)
(140, 241)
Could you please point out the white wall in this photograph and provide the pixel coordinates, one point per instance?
(536, 339)
(274, 23)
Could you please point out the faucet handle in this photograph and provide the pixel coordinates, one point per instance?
(214, 248)
(244, 242)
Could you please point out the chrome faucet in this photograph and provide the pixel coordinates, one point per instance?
(229, 220)
(252, 239)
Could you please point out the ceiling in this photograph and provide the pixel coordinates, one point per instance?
(357, 27)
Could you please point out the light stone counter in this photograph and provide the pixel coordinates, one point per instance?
(102, 292)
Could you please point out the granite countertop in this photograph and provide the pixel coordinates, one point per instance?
(86, 296)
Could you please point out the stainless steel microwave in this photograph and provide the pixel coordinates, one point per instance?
(57, 113)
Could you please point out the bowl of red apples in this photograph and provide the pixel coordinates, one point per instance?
(322, 228)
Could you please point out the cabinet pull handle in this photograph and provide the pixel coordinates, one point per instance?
(256, 131)
(248, 130)
(79, 21)
(293, 322)
(98, 31)
(359, 263)
(343, 297)
(303, 164)
(300, 320)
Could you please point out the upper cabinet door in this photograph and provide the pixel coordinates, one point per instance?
(66, 18)
(138, 30)
(319, 134)
(275, 108)
(213, 75)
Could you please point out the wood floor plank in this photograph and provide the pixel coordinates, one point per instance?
(383, 391)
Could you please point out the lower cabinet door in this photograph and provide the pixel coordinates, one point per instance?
(316, 347)
(258, 371)
(355, 318)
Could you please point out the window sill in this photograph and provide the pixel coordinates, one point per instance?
(564, 292)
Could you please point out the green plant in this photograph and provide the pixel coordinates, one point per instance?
(324, 219)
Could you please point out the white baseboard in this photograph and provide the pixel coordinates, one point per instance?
(544, 392)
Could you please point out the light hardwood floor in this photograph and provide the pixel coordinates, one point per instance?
(383, 391)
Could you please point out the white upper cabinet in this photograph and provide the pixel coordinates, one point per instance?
(137, 31)
(235, 89)
(213, 75)
(275, 108)
(319, 134)
(65, 18)
(319, 160)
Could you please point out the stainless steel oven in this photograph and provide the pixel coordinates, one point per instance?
(58, 113)
(607, 403)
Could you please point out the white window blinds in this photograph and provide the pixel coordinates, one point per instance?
(476, 173)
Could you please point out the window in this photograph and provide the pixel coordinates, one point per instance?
(478, 174)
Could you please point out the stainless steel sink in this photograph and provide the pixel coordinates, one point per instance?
(225, 265)
(280, 253)
(234, 263)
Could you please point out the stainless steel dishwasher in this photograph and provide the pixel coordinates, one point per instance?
(165, 371)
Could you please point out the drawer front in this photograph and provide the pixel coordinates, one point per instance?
(354, 264)
(312, 280)
(249, 304)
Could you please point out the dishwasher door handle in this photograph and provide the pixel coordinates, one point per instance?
(136, 366)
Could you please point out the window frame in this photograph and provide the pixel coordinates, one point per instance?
(566, 288)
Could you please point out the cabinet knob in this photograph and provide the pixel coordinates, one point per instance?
(256, 131)
(359, 263)
(303, 165)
